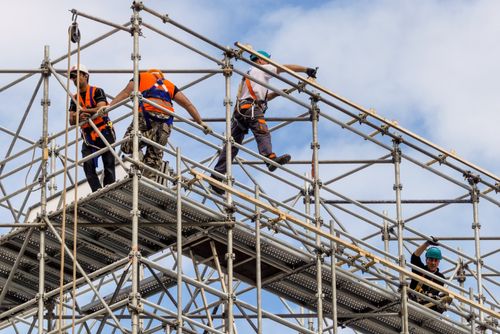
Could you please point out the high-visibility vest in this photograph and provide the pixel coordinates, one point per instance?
(159, 91)
(100, 122)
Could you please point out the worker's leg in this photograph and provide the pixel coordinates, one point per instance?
(89, 167)
(159, 133)
(238, 131)
(108, 159)
(127, 146)
(262, 135)
(261, 132)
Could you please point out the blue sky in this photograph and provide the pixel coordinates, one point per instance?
(430, 65)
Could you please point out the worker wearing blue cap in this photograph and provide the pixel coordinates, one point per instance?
(249, 112)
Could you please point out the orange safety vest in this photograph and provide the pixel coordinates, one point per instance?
(100, 122)
(159, 91)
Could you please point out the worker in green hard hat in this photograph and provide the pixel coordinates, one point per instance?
(432, 258)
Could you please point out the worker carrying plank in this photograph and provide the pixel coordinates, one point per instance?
(249, 111)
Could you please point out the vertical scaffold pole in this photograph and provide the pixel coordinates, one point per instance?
(53, 156)
(228, 71)
(134, 298)
(43, 186)
(258, 273)
(317, 212)
(396, 158)
(477, 241)
(333, 269)
(472, 313)
(179, 242)
(385, 237)
(307, 207)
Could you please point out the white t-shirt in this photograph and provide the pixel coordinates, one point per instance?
(260, 91)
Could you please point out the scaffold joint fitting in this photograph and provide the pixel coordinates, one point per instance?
(473, 179)
(227, 70)
(41, 256)
(135, 56)
(397, 186)
(227, 101)
(137, 6)
(315, 145)
(135, 213)
(230, 209)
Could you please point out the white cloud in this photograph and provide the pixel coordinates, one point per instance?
(431, 65)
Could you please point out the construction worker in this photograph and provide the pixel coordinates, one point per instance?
(154, 123)
(432, 257)
(92, 99)
(249, 112)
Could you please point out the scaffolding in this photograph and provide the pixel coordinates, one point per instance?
(294, 251)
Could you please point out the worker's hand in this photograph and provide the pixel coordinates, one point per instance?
(206, 128)
(311, 72)
(102, 110)
(434, 241)
(84, 116)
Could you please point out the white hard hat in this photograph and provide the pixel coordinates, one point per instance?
(83, 69)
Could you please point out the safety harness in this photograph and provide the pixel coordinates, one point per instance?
(102, 122)
(160, 92)
(250, 102)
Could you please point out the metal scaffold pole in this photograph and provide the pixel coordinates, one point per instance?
(43, 187)
(258, 273)
(317, 212)
(135, 254)
(178, 189)
(476, 226)
(230, 256)
(333, 269)
(399, 218)
(307, 207)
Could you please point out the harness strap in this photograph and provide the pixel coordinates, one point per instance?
(250, 89)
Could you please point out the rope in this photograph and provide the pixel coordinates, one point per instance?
(75, 199)
(29, 169)
(73, 36)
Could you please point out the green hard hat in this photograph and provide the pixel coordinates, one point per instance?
(433, 253)
(264, 53)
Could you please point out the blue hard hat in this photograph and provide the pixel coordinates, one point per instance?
(433, 253)
(264, 53)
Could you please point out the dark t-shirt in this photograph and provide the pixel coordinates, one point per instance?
(416, 261)
(99, 96)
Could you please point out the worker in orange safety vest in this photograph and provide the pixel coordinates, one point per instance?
(91, 99)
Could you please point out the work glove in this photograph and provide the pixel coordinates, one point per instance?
(434, 241)
(206, 128)
(311, 72)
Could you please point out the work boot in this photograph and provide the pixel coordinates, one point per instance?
(216, 189)
(282, 159)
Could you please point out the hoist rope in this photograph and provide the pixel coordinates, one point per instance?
(73, 36)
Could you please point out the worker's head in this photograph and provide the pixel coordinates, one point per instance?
(432, 258)
(84, 74)
(256, 59)
(156, 72)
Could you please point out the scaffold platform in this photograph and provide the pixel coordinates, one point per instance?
(288, 272)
